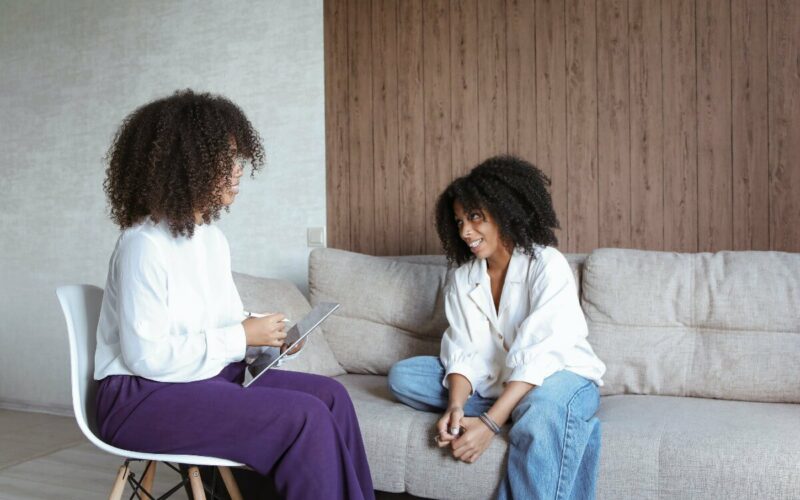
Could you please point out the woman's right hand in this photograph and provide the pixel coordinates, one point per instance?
(269, 330)
(451, 420)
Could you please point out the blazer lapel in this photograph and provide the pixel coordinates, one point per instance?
(480, 290)
(517, 268)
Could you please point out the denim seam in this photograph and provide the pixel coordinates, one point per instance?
(567, 429)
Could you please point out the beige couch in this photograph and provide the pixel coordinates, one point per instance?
(703, 355)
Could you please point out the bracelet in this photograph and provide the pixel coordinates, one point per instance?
(491, 424)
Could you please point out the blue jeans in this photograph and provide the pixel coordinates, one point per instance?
(554, 443)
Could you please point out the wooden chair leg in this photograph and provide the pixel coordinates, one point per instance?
(119, 483)
(230, 483)
(149, 476)
(197, 484)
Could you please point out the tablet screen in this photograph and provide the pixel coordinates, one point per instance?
(301, 330)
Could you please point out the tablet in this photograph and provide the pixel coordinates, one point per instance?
(299, 331)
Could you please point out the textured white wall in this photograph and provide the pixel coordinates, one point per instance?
(69, 72)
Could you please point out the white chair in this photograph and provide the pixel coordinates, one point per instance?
(81, 306)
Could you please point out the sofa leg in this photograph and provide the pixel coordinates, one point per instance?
(119, 483)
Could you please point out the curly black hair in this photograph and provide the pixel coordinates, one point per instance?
(172, 158)
(513, 192)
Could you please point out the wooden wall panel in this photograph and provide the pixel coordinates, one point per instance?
(464, 85)
(551, 105)
(680, 125)
(613, 124)
(663, 124)
(784, 123)
(492, 98)
(337, 122)
(359, 85)
(521, 70)
(413, 221)
(714, 148)
(436, 91)
(750, 151)
(385, 126)
(646, 131)
(582, 205)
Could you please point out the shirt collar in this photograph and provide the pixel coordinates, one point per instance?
(517, 268)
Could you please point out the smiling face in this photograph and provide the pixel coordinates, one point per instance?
(480, 233)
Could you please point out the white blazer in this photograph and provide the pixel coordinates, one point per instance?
(538, 329)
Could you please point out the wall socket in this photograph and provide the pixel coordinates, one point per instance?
(315, 236)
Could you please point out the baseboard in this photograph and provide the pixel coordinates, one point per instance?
(60, 410)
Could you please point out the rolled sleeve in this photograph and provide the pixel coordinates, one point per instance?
(466, 370)
(534, 373)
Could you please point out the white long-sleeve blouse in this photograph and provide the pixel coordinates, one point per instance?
(171, 311)
(538, 329)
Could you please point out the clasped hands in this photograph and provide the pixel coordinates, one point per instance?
(268, 330)
(469, 444)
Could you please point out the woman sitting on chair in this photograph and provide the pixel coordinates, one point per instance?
(516, 348)
(172, 333)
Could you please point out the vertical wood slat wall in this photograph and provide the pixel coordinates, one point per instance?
(663, 124)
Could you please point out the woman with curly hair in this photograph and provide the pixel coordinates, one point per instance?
(172, 333)
(516, 346)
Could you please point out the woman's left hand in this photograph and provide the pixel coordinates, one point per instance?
(469, 447)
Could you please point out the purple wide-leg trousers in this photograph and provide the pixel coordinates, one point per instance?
(299, 428)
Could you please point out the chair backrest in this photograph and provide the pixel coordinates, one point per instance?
(81, 306)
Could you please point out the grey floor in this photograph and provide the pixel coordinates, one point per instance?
(46, 457)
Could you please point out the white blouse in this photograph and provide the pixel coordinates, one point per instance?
(171, 311)
(538, 330)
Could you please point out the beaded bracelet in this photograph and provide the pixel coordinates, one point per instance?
(491, 424)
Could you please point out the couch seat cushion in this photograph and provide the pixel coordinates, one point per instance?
(653, 447)
(401, 453)
(673, 447)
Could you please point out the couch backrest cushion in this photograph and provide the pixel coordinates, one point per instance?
(392, 307)
(273, 295)
(390, 310)
(723, 325)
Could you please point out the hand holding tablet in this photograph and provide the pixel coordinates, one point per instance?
(299, 331)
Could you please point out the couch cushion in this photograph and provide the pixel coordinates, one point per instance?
(673, 447)
(652, 447)
(392, 307)
(401, 453)
(390, 310)
(272, 295)
(724, 325)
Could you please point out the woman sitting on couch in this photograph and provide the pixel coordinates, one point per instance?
(172, 331)
(516, 347)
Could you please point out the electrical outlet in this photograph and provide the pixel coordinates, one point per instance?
(316, 236)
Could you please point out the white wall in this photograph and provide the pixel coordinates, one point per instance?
(69, 72)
